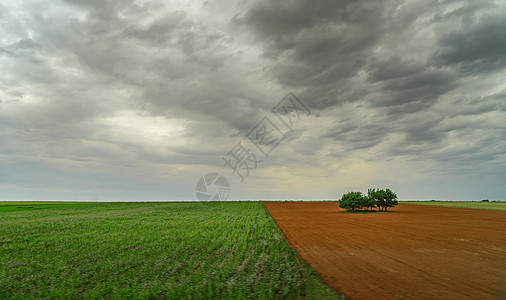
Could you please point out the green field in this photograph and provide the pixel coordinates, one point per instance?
(149, 251)
(501, 206)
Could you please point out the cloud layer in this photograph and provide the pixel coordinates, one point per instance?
(138, 99)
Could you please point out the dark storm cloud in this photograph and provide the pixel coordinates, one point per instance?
(178, 64)
(414, 92)
(84, 83)
(74, 69)
(171, 66)
(338, 52)
(318, 48)
(281, 24)
(354, 134)
(407, 85)
(315, 46)
(392, 68)
(478, 49)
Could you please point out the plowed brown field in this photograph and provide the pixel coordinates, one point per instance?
(412, 252)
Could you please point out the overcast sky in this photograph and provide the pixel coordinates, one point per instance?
(122, 100)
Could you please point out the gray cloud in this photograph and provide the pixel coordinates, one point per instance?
(122, 98)
(316, 47)
(480, 48)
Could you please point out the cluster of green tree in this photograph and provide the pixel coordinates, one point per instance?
(356, 201)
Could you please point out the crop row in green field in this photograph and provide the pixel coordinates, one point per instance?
(500, 206)
(149, 250)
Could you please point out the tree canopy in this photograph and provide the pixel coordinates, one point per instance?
(355, 201)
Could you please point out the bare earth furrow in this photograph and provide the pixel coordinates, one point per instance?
(412, 252)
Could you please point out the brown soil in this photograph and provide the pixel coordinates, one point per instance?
(412, 252)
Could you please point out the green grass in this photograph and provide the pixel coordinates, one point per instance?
(149, 251)
(500, 206)
(24, 206)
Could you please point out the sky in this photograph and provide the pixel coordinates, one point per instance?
(295, 99)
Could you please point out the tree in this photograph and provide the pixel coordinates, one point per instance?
(390, 199)
(370, 202)
(384, 198)
(352, 201)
